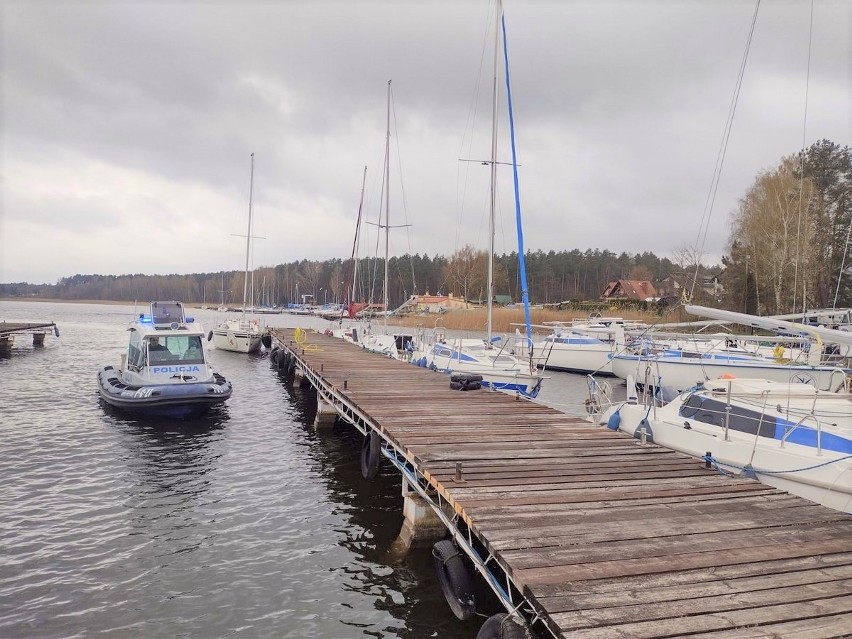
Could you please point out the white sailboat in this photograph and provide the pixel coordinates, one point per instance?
(497, 366)
(785, 432)
(242, 334)
(824, 367)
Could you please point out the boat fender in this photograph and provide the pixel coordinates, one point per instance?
(455, 579)
(433, 367)
(56, 331)
(668, 393)
(649, 433)
(266, 340)
(371, 455)
(614, 420)
(209, 336)
(502, 626)
(465, 377)
(422, 362)
(457, 385)
(274, 357)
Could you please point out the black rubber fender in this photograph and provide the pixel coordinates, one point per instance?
(502, 626)
(457, 385)
(209, 336)
(371, 455)
(273, 357)
(266, 340)
(465, 377)
(455, 579)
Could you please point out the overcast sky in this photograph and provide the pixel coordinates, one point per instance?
(127, 127)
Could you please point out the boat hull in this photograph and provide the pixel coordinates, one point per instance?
(683, 374)
(237, 341)
(584, 359)
(180, 400)
(824, 477)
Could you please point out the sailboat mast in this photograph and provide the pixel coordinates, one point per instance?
(352, 276)
(498, 9)
(248, 237)
(525, 294)
(387, 204)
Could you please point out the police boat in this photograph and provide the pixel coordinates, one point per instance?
(164, 371)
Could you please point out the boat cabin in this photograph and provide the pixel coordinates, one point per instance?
(165, 340)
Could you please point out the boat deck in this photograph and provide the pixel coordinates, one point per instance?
(599, 535)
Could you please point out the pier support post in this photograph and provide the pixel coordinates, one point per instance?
(6, 345)
(421, 527)
(326, 414)
(38, 339)
(300, 378)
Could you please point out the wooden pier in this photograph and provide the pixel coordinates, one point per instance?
(8, 330)
(586, 532)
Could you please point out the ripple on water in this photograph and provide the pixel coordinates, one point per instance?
(243, 523)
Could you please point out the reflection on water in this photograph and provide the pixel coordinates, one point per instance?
(406, 587)
(244, 522)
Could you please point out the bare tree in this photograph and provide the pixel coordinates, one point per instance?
(466, 270)
(775, 221)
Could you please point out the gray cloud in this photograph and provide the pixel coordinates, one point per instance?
(123, 116)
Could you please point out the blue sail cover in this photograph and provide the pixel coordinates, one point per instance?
(525, 294)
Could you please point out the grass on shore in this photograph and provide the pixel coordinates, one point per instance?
(502, 319)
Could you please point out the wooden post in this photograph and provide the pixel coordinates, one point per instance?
(326, 414)
(421, 526)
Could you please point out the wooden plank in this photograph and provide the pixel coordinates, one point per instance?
(580, 517)
(798, 595)
(645, 565)
(654, 595)
(538, 554)
(702, 577)
(823, 627)
(615, 532)
(835, 608)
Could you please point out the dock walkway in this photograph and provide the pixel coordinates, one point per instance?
(8, 330)
(11, 328)
(587, 532)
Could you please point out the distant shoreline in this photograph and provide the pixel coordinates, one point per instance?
(61, 301)
(505, 320)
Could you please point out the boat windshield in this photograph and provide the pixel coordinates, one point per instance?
(179, 349)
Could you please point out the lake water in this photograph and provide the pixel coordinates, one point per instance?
(245, 523)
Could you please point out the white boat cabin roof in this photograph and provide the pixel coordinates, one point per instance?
(166, 318)
(752, 386)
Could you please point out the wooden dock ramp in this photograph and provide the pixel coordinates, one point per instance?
(602, 537)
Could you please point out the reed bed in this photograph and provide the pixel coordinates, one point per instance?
(502, 319)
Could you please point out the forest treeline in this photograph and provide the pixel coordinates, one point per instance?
(552, 276)
(788, 250)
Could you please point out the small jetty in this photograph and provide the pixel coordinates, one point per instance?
(581, 531)
(8, 331)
